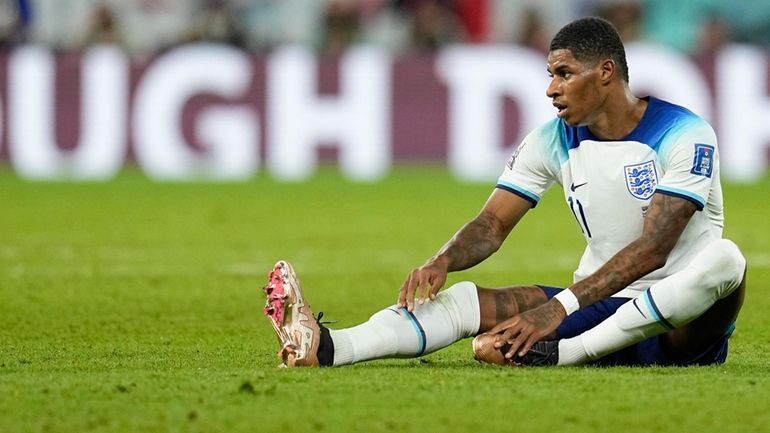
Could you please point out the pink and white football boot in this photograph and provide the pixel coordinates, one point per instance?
(298, 331)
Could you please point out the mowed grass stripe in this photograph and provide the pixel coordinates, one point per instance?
(135, 306)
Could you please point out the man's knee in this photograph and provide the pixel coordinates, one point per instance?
(721, 266)
(484, 350)
(463, 290)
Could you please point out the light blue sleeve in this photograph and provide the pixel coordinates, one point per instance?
(535, 164)
(689, 157)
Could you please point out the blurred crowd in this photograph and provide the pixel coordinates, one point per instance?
(146, 27)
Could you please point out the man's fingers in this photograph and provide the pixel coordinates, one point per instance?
(436, 284)
(410, 292)
(422, 283)
(516, 344)
(423, 289)
(528, 344)
(506, 326)
(496, 330)
(430, 286)
(505, 337)
(414, 285)
(500, 327)
(402, 293)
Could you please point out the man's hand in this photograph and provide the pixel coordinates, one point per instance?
(523, 330)
(427, 279)
(472, 244)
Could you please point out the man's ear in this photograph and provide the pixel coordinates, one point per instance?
(607, 70)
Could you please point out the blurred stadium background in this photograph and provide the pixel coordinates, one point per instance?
(216, 89)
(130, 273)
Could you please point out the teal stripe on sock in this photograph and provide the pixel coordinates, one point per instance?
(418, 329)
(655, 312)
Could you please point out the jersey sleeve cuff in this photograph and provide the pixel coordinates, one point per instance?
(521, 192)
(699, 202)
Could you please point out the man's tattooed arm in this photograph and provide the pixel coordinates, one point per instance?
(484, 234)
(666, 219)
(474, 242)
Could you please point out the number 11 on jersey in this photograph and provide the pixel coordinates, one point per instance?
(581, 220)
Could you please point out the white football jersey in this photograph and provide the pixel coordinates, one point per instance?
(608, 185)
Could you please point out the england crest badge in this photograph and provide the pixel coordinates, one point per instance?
(641, 179)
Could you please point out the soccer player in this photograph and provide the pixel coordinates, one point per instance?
(657, 284)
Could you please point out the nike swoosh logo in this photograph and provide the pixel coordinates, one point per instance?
(638, 309)
(573, 187)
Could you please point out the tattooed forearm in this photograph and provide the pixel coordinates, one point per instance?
(666, 219)
(549, 314)
(474, 242)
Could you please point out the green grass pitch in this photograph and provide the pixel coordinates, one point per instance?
(134, 306)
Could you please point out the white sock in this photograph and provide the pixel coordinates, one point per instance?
(670, 303)
(394, 332)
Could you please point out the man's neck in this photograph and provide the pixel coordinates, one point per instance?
(619, 116)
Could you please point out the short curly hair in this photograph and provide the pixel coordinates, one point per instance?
(592, 39)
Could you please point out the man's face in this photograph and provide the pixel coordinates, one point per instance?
(575, 88)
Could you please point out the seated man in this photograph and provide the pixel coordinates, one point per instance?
(656, 283)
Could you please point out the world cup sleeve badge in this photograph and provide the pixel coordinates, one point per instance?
(703, 163)
(641, 179)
